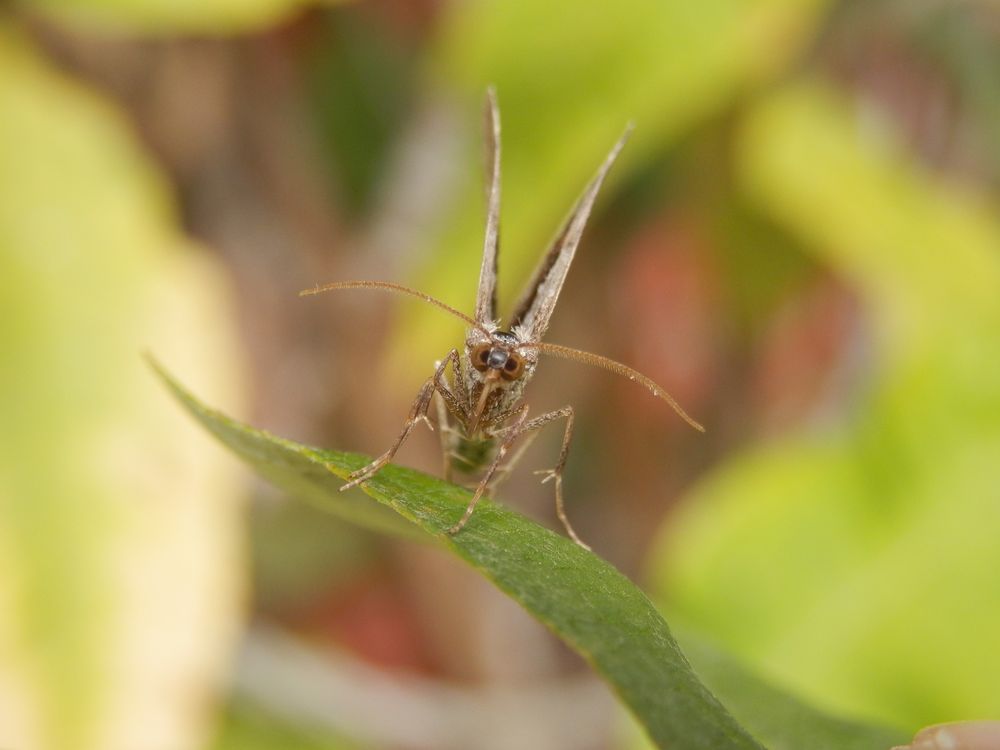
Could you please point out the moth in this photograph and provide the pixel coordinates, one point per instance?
(480, 409)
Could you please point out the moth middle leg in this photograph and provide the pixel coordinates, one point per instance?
(418, 413)
(557, 471)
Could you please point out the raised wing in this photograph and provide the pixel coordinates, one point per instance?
(536, 305)
(486, 295)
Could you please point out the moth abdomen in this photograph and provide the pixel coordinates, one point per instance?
(471, 455)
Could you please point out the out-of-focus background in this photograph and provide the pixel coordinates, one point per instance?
(801, 242)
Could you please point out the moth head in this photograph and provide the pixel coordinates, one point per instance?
(498, 357)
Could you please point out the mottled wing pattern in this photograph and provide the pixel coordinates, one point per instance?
(536, 305)
(486, 296)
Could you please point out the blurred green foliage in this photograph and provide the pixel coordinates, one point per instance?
(569, 77)
(361, 83)
(857, 561)
(160, 17)
(853, 559)
(249, 727)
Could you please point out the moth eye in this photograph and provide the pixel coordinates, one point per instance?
(513, 368)
(481, 357)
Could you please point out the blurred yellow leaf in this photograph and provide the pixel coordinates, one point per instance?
(858, 564)
(119, 584)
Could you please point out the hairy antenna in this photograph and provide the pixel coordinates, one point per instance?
(388, 286)
(619, 369)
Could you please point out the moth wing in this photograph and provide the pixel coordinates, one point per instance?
(538, 301)
(486, 295)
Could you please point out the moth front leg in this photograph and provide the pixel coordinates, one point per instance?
(454, 402)
(556, 472)
(418, 413)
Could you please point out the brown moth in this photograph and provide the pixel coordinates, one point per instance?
(479, 408)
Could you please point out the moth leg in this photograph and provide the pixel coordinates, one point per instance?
(504, 471)
(458, 383)
(512, 434)
(453, 401)
(445, 432)
(418, 413)
(556, 472)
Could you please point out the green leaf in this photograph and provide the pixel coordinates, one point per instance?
(775, 717)
(580, 597)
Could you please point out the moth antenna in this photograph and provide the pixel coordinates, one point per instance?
(388, 286)
(619, 369)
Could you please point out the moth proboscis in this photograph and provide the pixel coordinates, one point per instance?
(481, 388)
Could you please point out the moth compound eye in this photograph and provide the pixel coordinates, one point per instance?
(514, 367)
(481, 357)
